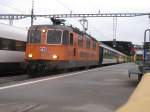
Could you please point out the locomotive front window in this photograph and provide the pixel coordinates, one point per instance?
(34, 36)
(54, 37)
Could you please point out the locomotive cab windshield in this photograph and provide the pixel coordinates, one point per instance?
(54, 37)
(34, 36)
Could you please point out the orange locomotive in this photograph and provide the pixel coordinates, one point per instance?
(53, 47)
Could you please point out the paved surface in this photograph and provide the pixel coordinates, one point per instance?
(100, 90)
(140, 99)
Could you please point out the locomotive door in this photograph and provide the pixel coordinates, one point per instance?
(73, 43)
(74, 51)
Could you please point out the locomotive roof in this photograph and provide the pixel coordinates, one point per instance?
(63, 27)
(50, 27)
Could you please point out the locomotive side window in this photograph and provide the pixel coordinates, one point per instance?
(80, 41)
(34, 36)
(65, 37)
(87, 42)
(71, 39)
(94, 44)
(54, 37)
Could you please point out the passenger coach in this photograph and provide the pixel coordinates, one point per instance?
(109, 55)
(12, 48)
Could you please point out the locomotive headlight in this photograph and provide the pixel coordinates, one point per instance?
(30, 55)
(43, 30)
(54, 56)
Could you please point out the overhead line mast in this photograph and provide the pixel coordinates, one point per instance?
(32, 13)
(114, 31)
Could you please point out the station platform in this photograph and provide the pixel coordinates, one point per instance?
(102, 89)
(140, 99)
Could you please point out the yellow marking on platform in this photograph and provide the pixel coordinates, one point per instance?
(140, 99)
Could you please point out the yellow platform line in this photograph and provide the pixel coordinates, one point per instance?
(139, 101)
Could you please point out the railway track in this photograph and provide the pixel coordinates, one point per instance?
(11, 77)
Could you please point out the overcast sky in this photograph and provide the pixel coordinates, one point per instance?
(128, 29)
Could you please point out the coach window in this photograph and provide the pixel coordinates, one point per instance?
(65, 37)
(80, 41)
(87, 42)
(11, 45)
(71, 39)
(7, 44)
(20, 46)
